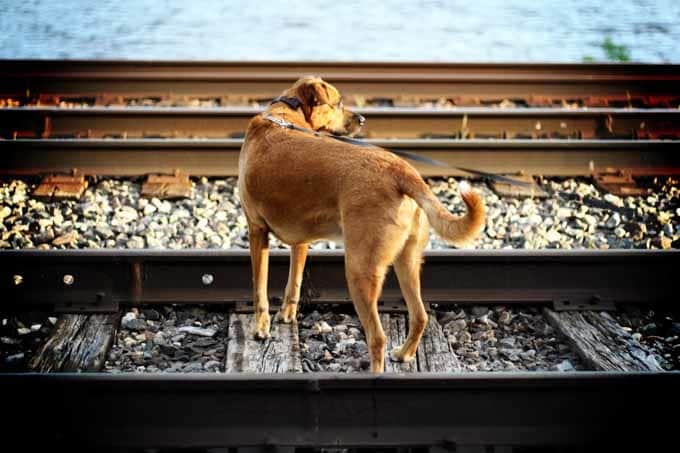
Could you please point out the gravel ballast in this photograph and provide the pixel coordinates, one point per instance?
(169, 339)
(175, 339)
(112, 214)
(21, 336)
(482, 338)
(657, 328)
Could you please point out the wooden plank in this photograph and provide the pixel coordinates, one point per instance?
(601, 341)
(395, 327)
(79, 343)
(434, 351)
(280, 353)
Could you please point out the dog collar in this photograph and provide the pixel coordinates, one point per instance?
(285, 124)
(288, 125)
(293, 103)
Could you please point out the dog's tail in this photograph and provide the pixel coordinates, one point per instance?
(457, 230)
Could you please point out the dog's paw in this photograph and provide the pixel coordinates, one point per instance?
(262, 328)
(397, 355)
(287, 314)
(261, 335)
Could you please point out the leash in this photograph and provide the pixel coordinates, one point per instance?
(294, 103)
(406, 154)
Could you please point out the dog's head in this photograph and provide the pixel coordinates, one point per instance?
(322, 107)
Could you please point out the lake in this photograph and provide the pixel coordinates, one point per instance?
(348, 30)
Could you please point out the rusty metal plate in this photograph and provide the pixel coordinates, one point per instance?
(167, 186)
(582, 300)
(618, 183)
(533, 190)
(61, 186)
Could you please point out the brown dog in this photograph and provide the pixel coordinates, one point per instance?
(302, 187)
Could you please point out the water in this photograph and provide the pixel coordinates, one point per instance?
(349, 30)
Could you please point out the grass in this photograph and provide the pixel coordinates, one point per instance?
(612, 52)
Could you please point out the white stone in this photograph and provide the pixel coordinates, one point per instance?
(322, 327)
(149, 209)
(200, 331)
(563, 213)
(125, 214)
(165, 207)
(613, 199)
(613, 221)
(553, 236)
(590, 220)
(129, 316)
(565, 365)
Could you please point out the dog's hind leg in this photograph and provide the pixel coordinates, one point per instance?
(259, 256)
(368, 253)
(373, 239)
(364, 288)
(291, 298)
(407, 268)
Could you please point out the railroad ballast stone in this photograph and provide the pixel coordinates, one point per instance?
(112, 214)
(181, 339)
(21, 335)
(657, 329)
(170, 339)
(501, 338)
(481, 338)
(333, 342)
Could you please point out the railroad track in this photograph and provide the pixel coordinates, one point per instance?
(148, 311)
(504, 410)
(219, 157)
(106, 278)
(400, 123)
(594, 103)
(495, 412)
(102, 82)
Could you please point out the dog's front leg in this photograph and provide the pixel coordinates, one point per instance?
(288, 312)
(259, 256)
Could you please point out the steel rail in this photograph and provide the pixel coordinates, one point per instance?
(224, 122)
(219, 157)
(100, 280)
(437, 411)
(26, 78)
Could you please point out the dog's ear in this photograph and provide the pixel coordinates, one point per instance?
(313, 93)
(314, 96)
